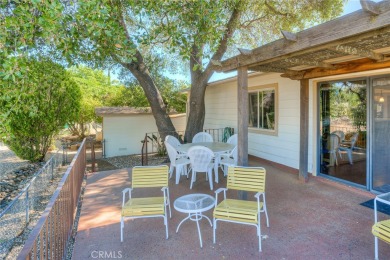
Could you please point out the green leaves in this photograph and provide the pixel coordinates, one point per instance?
(35, 107)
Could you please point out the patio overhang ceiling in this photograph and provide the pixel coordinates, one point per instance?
(356, 42)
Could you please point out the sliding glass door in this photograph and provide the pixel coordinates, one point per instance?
(343, 130)
(380, 159)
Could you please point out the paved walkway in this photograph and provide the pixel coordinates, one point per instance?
(8, 160)
(317, 220)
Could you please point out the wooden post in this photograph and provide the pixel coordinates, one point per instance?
(242, 120)
(304, 127)
(242, 113)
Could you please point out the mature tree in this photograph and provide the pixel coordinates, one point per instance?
(37, 107)
(126, 33)
(96, 91)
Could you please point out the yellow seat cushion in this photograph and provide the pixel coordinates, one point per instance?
(382, 230)
(237, 210)
(144, 207)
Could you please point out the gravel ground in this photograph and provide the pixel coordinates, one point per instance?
(9, 161)
(130, 161)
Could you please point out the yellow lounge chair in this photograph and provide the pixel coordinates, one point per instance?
(250, 179)
(146, 177)
(381, 229)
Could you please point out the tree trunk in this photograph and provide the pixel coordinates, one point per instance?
(159, 109)
(197, 111)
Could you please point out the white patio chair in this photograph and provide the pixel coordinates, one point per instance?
(172, 141)
(333, 148)
(177, 161)
(175, 143)
(229, 160)
(340, 134)
(202, 137)
(231, 140)
(348, 147)
(201, 161)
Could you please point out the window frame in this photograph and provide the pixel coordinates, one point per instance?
(261, 88)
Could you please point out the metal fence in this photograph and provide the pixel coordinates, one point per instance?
(16, 215)
(153, 147)
(50, 237)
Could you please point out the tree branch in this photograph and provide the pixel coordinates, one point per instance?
(223, 44)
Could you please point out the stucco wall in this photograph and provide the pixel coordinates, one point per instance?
(123, 134)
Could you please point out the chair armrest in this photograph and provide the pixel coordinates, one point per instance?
(124, 195)
(220, 190)
(217, 192)
(382, 198)
(165, 190)
(257, 196)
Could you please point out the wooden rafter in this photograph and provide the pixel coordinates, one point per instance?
(289, 36)
(267, 68)
(353, 50)
(370, 7)
(297, 62)
(245, 51)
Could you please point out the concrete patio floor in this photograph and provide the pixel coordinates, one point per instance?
(321, 219)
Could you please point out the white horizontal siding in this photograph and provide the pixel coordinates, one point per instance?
(221, 111)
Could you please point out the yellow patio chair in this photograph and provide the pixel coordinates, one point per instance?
(381, 229)
(250, 179)
(147, 177)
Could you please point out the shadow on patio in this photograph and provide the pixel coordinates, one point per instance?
(317, 220)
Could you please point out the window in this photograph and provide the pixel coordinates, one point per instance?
(262, 108)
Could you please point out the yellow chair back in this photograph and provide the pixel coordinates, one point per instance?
(152, 176)
(246, 179)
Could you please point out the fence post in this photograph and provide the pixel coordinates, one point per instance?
(52, 167)
(27, 207)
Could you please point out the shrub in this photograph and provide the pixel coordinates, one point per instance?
(36, 107)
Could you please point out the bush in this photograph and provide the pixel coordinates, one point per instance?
(36, 107)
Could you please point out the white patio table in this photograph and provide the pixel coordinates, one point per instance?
(194, 204)
(216, 147)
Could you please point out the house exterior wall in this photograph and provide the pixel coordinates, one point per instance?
(283, 148)
(123, 134)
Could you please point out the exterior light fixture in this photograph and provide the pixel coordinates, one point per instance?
(381, 98)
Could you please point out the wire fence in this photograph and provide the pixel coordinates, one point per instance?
(31, 200)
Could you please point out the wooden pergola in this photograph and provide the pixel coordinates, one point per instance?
(356, 42)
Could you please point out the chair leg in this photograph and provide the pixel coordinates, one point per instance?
(193, 178)
(122, 229)
(376, 249)
(214, 228)
(210, 174)
(349, 152)
(265, 211)
(259, 232)
(169, 204)
(166, 225)
(178, 172)
(170, 171)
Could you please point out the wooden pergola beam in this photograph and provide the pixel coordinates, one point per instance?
(350, 67)
(339, 31)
